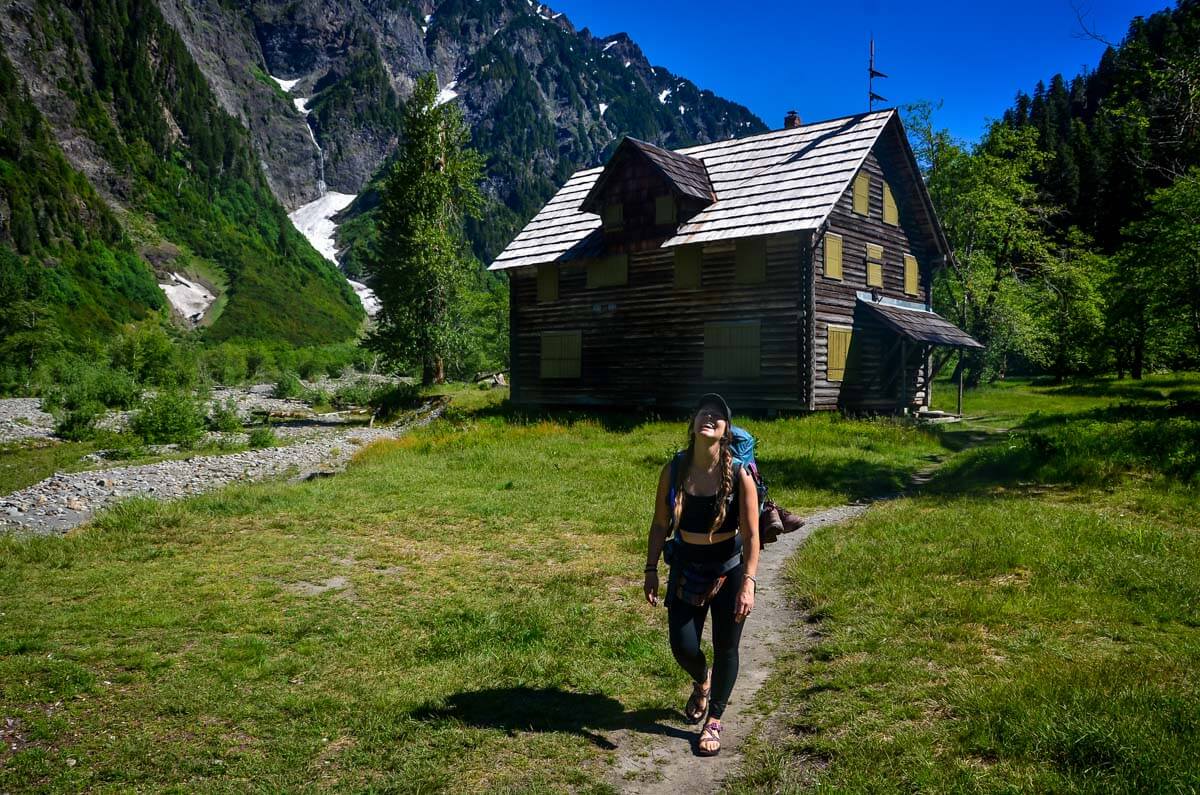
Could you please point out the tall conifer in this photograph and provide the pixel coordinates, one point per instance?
(421, 265)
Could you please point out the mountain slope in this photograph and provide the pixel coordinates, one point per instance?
(131, 111)
(542, 98)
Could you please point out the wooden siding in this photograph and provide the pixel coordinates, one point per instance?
(637, 187)
(547, 283)
(643, 342)
(867, 384)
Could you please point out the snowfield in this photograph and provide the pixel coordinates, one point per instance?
(446, 94)
(286, 85)
(190, 299)
(315, 221)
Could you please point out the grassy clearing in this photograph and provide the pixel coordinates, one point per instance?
(1032, 624)
(460, 610)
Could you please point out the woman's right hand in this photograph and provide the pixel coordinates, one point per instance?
(651, 588)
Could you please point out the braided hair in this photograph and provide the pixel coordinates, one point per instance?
(724, 461)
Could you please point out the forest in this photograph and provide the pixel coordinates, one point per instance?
(1076, 219)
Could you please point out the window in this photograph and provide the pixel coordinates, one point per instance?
(611, 271)
(837, 353)
(664, 210)
(891, 213)
(750, 264)
(874, 265)
(833, 255)
(614, 216)
(912, 276)
(731, 349)
(688, 263)
(561, 354)
(862, 193)
(547, 283)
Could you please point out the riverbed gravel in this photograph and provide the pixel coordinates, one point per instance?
(63, 501)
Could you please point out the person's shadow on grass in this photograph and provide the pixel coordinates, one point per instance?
(517, 709)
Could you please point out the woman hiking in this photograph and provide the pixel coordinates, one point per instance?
(711, 504)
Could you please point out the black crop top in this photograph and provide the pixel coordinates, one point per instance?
(698, 513)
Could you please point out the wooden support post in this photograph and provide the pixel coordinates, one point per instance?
(961, 371)
(903, 375)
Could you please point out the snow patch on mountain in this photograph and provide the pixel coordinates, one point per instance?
(190, 299)
(315, 221)
(286, 85)
(447, 93)
(662, 96)
(301, 104)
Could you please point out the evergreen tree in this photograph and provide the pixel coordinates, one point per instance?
(421, 266)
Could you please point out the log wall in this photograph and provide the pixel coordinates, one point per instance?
(872, 361)
(643, 342)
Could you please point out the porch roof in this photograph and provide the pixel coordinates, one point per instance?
(920, 325)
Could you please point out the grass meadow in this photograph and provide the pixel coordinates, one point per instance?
(1029, 623)
(460, 610)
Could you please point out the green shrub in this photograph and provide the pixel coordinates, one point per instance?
(288, 385)
(224, 416)
(79, 423)
(317, 397)
(361, 392)
(152, 356)
(263, 437)
(226, 363)
(170, 418)
(391, 401)
(78, 383)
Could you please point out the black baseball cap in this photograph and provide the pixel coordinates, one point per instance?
(713, 399)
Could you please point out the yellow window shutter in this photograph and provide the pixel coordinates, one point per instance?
(611, 271)
(891, 214)
(838, 351)
(833, 255)
(688, 261)
(750, 266)
(614, 216)
(862, 193)
(561, 354)
(664, 210)
(732, 349)
(912, 284)
(874, 265)
(547, 283)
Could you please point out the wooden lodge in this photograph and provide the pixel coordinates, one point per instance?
(789, 271)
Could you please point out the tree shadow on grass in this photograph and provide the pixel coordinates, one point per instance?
(527, 709)
(853, 478)
(1095, 447)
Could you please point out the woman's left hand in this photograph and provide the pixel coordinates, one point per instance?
(745, 601)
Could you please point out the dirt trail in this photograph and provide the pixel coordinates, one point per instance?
(648, 764)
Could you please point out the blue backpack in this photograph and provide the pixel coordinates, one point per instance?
(742, 449)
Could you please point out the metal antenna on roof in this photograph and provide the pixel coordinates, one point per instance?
(873, 73)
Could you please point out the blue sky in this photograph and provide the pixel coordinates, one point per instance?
(773, 56)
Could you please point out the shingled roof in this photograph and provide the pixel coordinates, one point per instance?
(686, 175)
(782, 181)
(920, 325)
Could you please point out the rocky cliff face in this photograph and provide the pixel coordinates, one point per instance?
(542, 98)
(187, 123)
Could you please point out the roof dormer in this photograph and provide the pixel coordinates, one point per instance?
(645, 192)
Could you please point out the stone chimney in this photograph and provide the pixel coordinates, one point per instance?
(792, 120)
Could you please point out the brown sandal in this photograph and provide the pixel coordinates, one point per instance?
(697, 705)
(711, 734)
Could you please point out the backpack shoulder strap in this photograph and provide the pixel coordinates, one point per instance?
(674, 475)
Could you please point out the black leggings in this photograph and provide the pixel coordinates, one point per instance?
(686, 623)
